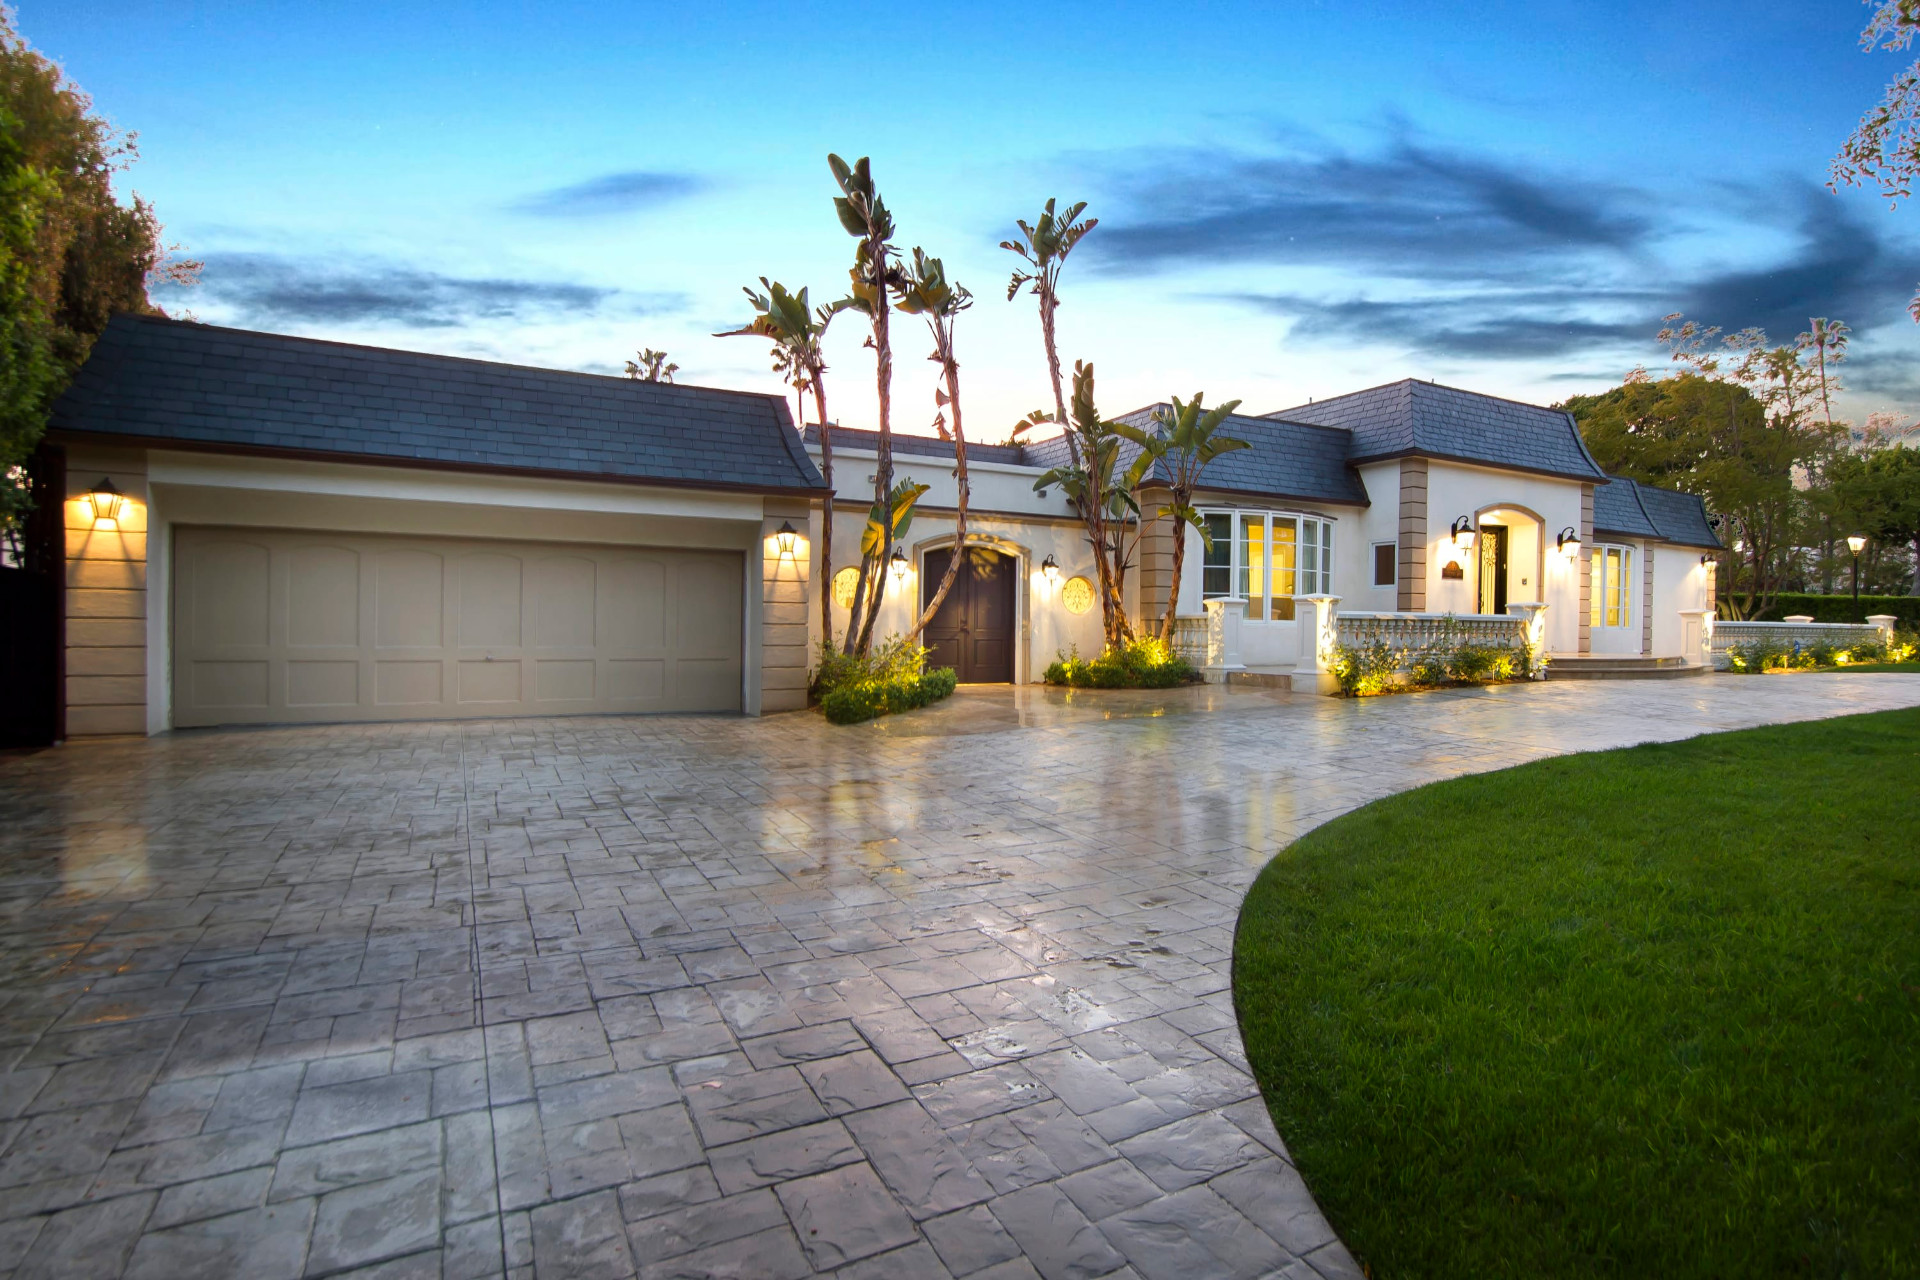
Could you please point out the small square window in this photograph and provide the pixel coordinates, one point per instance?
(1386, 563)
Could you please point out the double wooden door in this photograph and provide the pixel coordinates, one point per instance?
(974, 632)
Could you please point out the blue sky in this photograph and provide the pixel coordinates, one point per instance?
(1295, 199)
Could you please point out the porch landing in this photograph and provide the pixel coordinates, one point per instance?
(1606, 666)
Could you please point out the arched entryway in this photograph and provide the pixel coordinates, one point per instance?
(977, 628)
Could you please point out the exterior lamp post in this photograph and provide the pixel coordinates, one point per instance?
(785, 537)
(1856, 544)
(106, 502)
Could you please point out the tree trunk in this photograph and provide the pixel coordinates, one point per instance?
(883, 470)
(952, 370)
(826, 514)
(1916, 565)
(1173, 590)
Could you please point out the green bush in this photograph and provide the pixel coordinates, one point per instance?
(1364, 670)
(1841, 608)
(1145, 663)
(1758, 656)
(892, 677)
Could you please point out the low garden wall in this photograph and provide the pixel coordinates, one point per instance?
(1729, 637)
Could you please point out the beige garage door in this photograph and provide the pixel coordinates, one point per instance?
(282, 627)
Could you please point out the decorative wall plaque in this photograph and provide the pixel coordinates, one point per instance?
(1077, 595)
(844, 583)
(1452, 570)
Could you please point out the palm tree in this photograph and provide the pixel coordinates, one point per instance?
(1090, 483)
(1044, 247)
(797, 335)
(652, 366)
(927, 293)
(864, 216)
(1186, 438)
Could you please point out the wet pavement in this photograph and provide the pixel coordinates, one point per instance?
(943, 995)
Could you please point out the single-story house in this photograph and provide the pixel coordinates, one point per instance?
(1409, 498)
(267, 529)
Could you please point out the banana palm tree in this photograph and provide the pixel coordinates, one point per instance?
(1186, 437)
(1092, 483)
(797, 334)
(874, 274)
(1043, 248)
(927, 292)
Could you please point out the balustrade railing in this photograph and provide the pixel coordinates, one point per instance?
(1190, 640)
(1727, 635)
(1415, 631)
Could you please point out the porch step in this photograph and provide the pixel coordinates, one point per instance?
(1262, 679)
(1600, 666)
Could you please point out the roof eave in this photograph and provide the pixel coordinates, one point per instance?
(1595, 477)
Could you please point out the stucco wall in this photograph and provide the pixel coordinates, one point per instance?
(1536, 570)
(1680, 582)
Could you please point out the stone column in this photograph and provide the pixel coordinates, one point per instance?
(1318, 618)
(1224, 618)
(106, 568)
(785, 586)
(1535, 614)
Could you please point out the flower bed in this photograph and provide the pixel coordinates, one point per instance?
(892, 678)
(1451, 655)
(1146, 663)
(1765, 655)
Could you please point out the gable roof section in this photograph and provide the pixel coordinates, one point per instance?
(1630, 509)
(170, 382)
(1424, 419)
(1296, 460)
(917, 446)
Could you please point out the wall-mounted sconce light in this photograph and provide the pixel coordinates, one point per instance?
(1568, 542)
(899, 565)
(106, 501)
(1706, 559)
(1463, 533)
(786, 537)
(1050, 569)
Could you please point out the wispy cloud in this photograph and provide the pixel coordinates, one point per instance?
(611, 194)
(270, 289)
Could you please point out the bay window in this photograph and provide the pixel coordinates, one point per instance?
(1266, 558)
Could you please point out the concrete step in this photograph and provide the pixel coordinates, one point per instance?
(1620, 667)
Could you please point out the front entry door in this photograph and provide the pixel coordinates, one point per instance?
(973, 632)
(1493, 568)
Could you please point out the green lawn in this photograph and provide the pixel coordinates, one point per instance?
(1652, 1012)
(1881, 666)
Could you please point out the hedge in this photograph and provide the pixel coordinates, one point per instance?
(1841, 608)
(865, 699)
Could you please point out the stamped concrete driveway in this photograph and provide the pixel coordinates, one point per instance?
(942, 996)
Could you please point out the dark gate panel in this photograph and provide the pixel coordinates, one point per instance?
(974, 631)
(29, 648)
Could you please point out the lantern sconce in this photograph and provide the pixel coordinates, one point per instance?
(1050, 569)
(786, 537)
(899, 565)
(106, 501)
(1707, 559)
(1856, 543)
(1463, 533)
(1568, 542)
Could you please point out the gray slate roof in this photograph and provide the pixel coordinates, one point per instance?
(1678, 517)
(1288, 460)
(919, 446)
(169, 381)
(1411, 417)
(1617, 510)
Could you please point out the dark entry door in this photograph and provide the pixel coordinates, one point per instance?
(1493, 568)
(973, 632)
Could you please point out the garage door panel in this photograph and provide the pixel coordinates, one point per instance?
(323, 597)
(287, 626)
(490, 603)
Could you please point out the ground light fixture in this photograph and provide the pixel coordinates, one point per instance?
(899, 565)
(1856, 544)
(1568, 542)
(786, 537)
(1050, 569)
(106, 501)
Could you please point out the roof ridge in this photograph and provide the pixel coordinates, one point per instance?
(298, 338)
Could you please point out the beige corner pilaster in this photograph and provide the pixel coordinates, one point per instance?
(1413, 535)
(1586, 569)
(106, 580)
(785, 582)
(1156, 564)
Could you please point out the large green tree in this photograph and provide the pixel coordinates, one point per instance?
(71, 254)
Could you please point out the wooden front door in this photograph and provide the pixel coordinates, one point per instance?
(1493, 568)
(974, 631)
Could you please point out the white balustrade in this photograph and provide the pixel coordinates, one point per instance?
(1797, 634)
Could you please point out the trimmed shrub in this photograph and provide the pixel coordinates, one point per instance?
(892, 677)
(1364, 670)
(1146, 663)
(1841, 608)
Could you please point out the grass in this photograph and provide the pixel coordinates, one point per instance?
(1652, 1012)
(1878, 666)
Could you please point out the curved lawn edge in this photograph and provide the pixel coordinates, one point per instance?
(1653, 1010)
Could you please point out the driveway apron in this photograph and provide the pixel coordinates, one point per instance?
(943, 995)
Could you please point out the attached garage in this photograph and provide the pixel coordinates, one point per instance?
(317, 533)
(292, 627)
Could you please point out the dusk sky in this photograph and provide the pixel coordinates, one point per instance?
(1295, 199)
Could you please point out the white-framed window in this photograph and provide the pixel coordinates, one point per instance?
(1266, 558)
(1386, 564)
(1611, 595)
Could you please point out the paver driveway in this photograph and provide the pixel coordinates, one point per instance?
(946, 995)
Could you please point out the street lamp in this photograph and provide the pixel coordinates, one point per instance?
(1856, 544)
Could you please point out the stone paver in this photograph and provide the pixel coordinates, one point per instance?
(947, 995)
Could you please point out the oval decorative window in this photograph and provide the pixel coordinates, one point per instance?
(844, 583)
(1077, 595)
